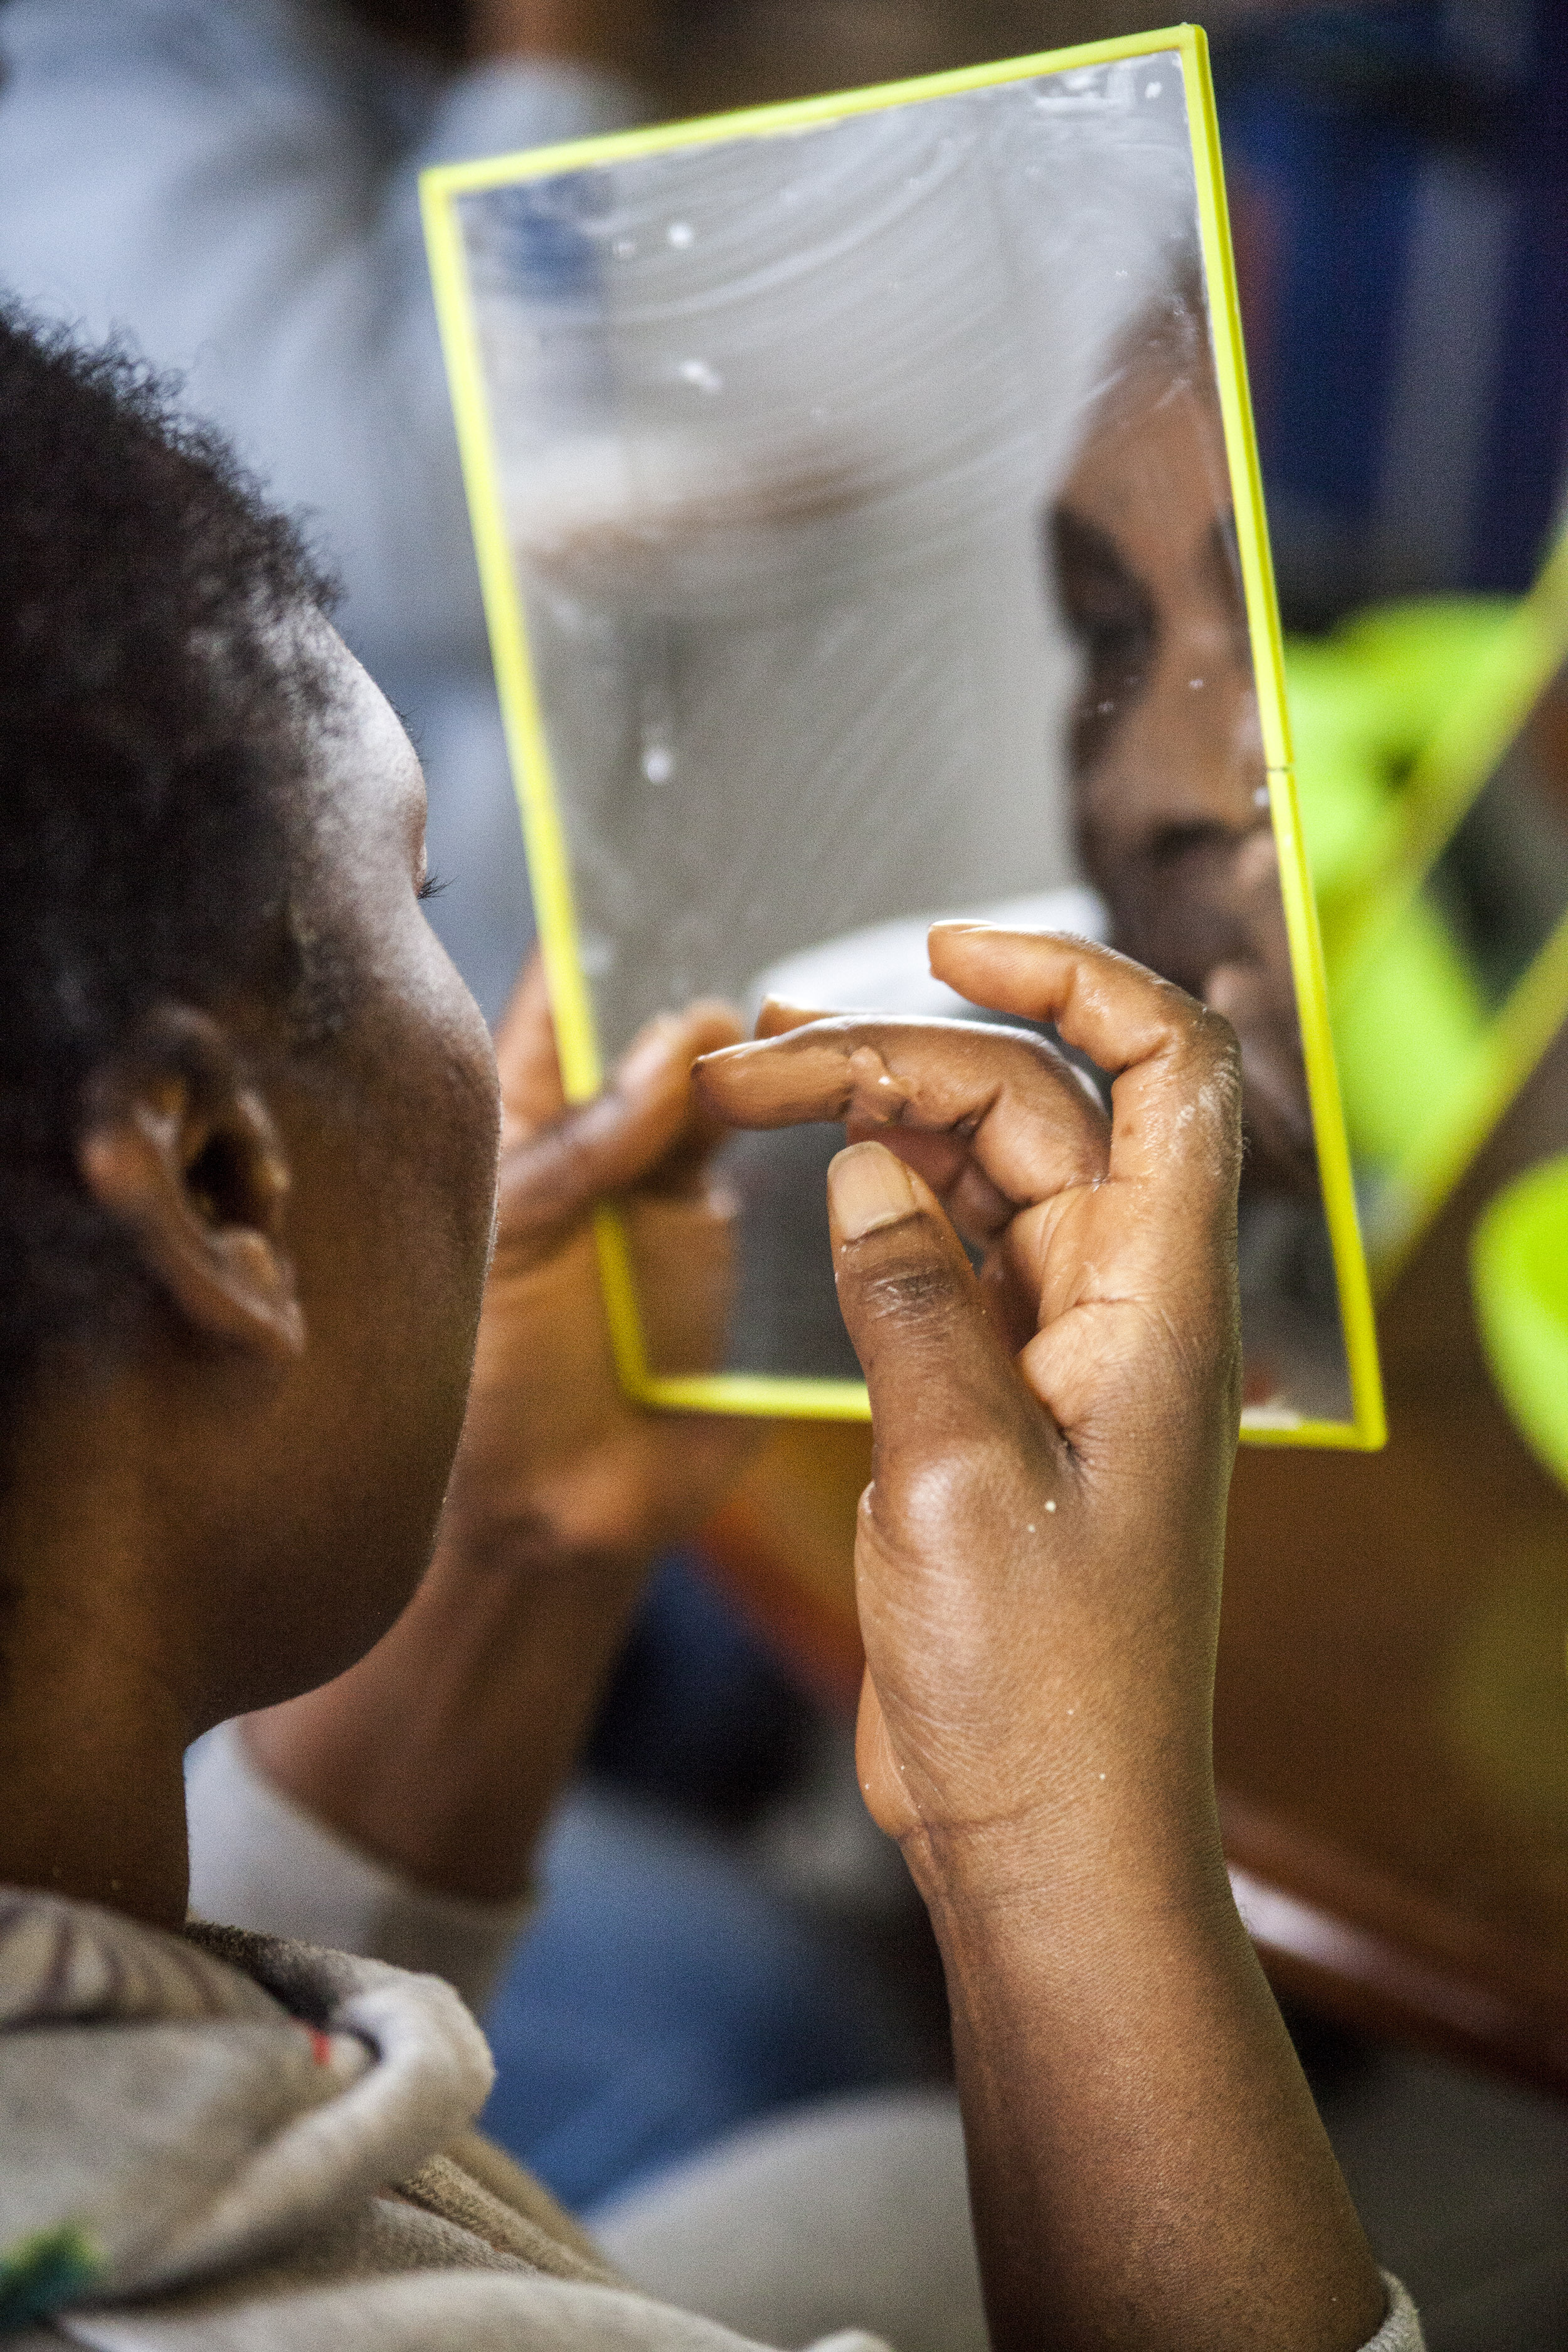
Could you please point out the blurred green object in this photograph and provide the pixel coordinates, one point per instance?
(1365, 701)
(1519, 1278)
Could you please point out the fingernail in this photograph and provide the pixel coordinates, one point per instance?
(793, 1011)
(868, 1187)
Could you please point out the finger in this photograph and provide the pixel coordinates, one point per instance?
(778, 1014)
(951, 1096)
(526, 1057)
(941, 1375)
(646, 1129)
(1176, 1129)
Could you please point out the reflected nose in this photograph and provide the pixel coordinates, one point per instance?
(1213, 741)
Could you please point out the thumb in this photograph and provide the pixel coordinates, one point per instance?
(941, 1376)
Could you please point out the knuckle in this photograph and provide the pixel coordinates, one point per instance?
(1215, 1040)
(907, 1281)
(1214, 1055)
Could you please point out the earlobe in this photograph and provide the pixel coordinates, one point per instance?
(182, 1150)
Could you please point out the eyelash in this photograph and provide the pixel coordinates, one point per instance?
(432, 886)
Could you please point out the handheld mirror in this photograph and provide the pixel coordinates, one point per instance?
(870, 531)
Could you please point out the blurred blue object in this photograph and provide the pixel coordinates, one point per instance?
(701, 1713)
(233, 185)
(664, 1997)
(1398, 179)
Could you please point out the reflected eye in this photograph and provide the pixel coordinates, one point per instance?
(1174, 845)
(1113, 618)
(432, 886)
(1103, 602)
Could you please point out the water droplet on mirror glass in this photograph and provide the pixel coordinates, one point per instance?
(622, 248)
(1260, 797)
(1152, 89)
(680, 233)
(699, 374)
(659, 764)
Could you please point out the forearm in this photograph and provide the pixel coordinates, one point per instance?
(444, 1750)
(1146, 2163)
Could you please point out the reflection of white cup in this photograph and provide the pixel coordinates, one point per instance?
(884, 969)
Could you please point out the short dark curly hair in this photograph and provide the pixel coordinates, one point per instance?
(156, 723)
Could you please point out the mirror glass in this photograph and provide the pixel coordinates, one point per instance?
(868, 499)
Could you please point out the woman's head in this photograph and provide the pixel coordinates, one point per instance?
(246, 1107)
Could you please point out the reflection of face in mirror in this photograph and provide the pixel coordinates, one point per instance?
(1167, 763)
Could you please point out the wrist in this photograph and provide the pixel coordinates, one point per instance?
(486, 1545)
(1102, 1866)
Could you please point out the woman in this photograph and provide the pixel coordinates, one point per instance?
(251, 1230)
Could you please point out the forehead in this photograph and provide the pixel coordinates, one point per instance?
(1153, 471)
(368, 775)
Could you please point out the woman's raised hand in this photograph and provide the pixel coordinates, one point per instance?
(1039, 1550)
(1039, 1571)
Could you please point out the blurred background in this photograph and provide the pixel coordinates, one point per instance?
(725, 1933)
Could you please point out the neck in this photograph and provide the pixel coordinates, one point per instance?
(91, 1733)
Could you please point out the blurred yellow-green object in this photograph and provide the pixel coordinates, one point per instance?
(1518, 1276)
(1365, 701)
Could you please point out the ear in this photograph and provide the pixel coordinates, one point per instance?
(183, 1150)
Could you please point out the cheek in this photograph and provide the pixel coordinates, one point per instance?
(1183, 756)
(392, 1307)
(444, 1156)
(398, 1297)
